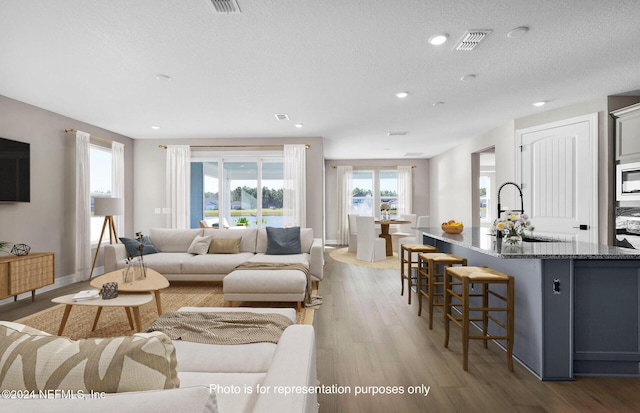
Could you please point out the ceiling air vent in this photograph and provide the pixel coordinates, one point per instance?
(225, 6)
(413, 154)
(471, 39)
(281, 116)
(396, 133)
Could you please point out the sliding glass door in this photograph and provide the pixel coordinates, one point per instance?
(238, 191)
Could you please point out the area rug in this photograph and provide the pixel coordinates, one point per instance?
(113, 321)
(343, 255)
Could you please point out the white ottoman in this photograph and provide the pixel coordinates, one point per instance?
(265, 285)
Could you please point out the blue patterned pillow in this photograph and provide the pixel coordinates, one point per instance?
(131, 244)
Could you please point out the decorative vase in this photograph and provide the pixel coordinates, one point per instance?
(512, 243)
(138, 268)
(127, 274)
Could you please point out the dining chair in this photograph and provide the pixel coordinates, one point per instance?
(416, 235)
(371, 248)
(402, 230)
(353, 233)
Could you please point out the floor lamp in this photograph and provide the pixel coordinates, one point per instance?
(108, 208)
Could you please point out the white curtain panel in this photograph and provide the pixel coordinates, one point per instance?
(117, 181)
(83, 208)
(178, 184)
(295, 186)
(405, 194)
(345, 178)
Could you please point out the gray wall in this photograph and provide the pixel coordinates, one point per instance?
(421, 192)
(47, 222)
(150, 177)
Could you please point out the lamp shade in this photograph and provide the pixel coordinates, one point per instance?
(108, 206)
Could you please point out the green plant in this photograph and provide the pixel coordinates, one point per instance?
(4, 246)
(242, 221)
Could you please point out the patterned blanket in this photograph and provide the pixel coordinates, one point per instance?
(309, 300)
(222, 327)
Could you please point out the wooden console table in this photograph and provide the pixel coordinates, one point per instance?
(19, 274)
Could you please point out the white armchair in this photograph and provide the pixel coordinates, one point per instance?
(370, 247)
(416, 238)
(353, 232)
(402, 230)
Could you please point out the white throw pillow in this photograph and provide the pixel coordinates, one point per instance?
(200, 245)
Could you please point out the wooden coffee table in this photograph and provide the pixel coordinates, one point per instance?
(130, 302)
(153, 284)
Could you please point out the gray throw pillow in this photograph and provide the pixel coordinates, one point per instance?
(282, 241)
(131, 244)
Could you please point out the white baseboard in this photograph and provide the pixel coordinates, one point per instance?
(59, 282)
(331, 242)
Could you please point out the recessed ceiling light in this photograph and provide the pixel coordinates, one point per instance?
(163, 78)
(402, 95)
(299, 125)
(538, 104)
(518, 32)
(155, 127)
(438, 39)
(468, 78)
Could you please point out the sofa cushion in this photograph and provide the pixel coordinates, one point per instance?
(285, 259)
(183, 400)
(38, 361)
(282, 241)
(214, 263)
(248, 235)
(132, 245)
(225, 245)
(173, 240)
(168, 262)
(306, 240)
(200, 245)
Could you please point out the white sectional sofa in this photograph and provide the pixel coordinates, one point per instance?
(176, 264)
(210, 375)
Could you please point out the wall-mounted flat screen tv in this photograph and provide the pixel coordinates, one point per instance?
(14, 171)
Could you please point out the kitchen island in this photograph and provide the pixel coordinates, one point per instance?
(577, 305)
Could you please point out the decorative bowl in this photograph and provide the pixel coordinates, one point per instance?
(452, 229)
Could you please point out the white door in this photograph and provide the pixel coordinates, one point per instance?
(559, 176)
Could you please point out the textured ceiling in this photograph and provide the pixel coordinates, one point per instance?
(333, 66)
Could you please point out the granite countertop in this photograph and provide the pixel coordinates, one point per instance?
(480, 239)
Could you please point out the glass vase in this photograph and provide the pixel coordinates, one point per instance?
(139, 269)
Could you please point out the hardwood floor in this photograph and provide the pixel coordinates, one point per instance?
(367, 335)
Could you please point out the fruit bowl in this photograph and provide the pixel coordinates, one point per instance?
(452, 229)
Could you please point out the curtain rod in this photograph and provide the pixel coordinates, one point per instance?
(372, 166)
(92, 136)
(307, 146)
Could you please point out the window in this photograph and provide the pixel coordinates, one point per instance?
(239, 191)
(100, 185)
(382, 183)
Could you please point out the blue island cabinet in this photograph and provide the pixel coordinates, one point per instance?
(577, 307)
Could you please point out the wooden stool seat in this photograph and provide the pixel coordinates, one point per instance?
(461, 278)
(428, 265)
(411, 249)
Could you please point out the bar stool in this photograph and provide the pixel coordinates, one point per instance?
(428, 266)
(411, 249)
(463, 276)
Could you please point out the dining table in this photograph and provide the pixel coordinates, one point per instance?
(384, 233)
